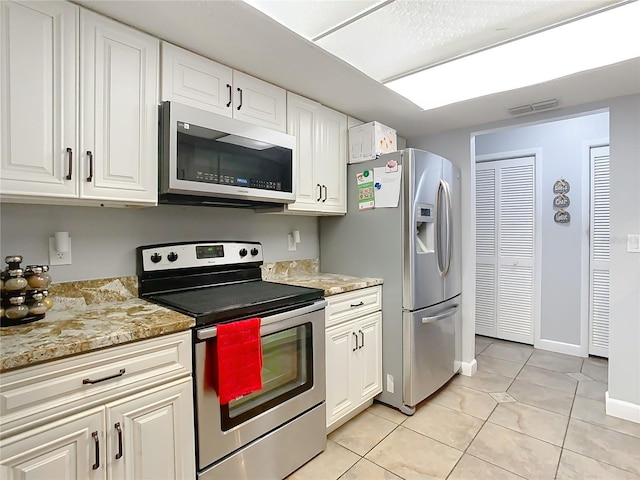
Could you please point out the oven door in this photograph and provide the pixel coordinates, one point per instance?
(293, 377)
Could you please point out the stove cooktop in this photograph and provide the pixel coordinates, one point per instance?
(214, 281)
(218, 303)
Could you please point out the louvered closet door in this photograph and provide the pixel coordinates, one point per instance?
(505, 249)
(599, 247)
(486, 249)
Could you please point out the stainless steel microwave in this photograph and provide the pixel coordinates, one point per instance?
(210, 159)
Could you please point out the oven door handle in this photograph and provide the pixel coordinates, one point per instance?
(211, 332)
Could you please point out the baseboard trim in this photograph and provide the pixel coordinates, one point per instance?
(561, 347)
(621, 409)
(467, 368)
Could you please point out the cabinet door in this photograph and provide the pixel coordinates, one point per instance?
(119, 139)
(69, 449)
(341, 347)
(330, 160)
(259, 102)
(38, 98)
(370, 356)
(301, 119)
(194, 80)
(151, 434)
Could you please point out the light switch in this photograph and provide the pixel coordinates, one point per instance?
(633, 243)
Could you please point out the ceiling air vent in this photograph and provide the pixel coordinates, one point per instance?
(534, 107)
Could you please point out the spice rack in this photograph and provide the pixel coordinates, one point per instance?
(25, 295)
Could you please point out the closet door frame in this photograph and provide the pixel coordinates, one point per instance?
(536, 153)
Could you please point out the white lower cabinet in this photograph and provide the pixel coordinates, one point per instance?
(125, 431)
(354, 355)
(63, 450)
(150, 435)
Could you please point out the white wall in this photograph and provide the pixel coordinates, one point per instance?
(104, 240)
(624, 135)
(563, 246)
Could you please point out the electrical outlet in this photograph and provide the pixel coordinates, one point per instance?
(390, 387)
(291, 243)
(58, 258)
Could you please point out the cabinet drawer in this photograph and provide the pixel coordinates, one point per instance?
(87, 379)
(350, 305)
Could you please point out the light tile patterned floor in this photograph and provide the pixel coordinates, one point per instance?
(550, 423)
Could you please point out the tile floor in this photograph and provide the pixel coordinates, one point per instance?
(526, 413)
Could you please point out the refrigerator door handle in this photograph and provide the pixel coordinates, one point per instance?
(448, 208)
(438, 233)
(441, 316)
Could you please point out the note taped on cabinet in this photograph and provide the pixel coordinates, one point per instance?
(365, 190)
(386, 186)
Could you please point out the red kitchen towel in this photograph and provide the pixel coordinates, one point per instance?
(239, 355)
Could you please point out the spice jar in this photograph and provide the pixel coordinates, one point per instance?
(14, 280)
(35, 302)
(16, 309)
(35, 276)
(13, 261)
(47, 299)
(45, 274)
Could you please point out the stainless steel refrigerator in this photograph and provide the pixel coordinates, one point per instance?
(415, 248)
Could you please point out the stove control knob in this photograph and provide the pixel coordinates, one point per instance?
(254, 251)
(155, 258)
(172, 257)
(243, 252)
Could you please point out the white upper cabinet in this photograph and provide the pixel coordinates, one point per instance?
(47, 155)
(119, 147)
(197, 81)
(321, 156)
(39, 99)
(259, 102)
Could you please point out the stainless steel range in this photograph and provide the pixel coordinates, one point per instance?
(273, 431)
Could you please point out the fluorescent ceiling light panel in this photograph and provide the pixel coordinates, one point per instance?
(598, 40)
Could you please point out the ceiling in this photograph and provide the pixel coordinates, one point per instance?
(385, 39)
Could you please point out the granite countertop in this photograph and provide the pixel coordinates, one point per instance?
(306, 273)
(93, 314)
(87, 316)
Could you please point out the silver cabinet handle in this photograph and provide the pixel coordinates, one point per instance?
(70, 152)
(362, 334)
(90, 155)
(441, 316)
(240, 106)
(230, 95)
(325, 193)
(119, 430)
(96, 441)
(89, 381)
(319, 192)
(356, 347)
(357, 305)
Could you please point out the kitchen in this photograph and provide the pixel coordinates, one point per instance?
(104, 240)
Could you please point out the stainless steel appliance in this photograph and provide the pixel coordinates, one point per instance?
(210, 159)
(415, 247)
(269, 433)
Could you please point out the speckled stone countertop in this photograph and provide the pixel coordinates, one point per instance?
(86, 316)
(306, 273)
(92, 314)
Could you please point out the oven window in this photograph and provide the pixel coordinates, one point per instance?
(287, 371)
